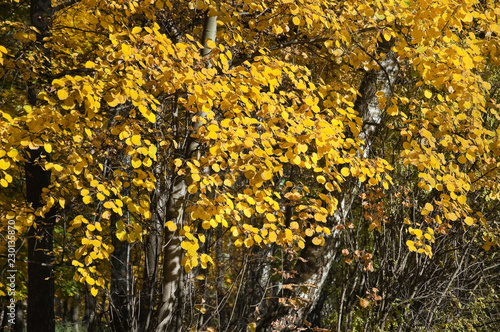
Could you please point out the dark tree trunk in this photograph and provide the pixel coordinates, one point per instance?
(90, 317)
(40, 255)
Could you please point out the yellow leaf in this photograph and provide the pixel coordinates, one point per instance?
(252, 327)
(271, 217)
(427, 94)
(171, 226)
(296, 20)
(62, 94)
(126, 49)
(418, 233)
(87, 199)
(345, 171)
(12, 153)
(462, 199)
(121, 235)
(302, 148)
(249, 242)
(47, 147)
(90, 280)
(213, 127)
(210, 43)
(136, 139)
(272, 236)
(267, 174)
(136, 163)
(469, 221)
(93, 291)
(4, 164)
(316, 241)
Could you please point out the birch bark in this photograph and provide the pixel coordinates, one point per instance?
(317, 260)
(172, 252)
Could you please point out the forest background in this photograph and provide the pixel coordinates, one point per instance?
(267, 165)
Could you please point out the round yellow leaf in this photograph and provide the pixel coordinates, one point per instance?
(345, 171)
(171, 226)
(136, 139)
(271, 217)
(136, 163)
(62, 94)
(316, 241)
(267, 174)
(302, 148)
(469, 221)
(4, 164)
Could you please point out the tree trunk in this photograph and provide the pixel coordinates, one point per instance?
(153, 250)
(40, 245)
(150, 275)
(90, 316)
(317, 260)
(172, 256)
(120, 283)
(75, 318)
(40, 255)
(172, 252)
(19, 317)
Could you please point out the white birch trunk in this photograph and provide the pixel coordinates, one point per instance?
(172, 252)
(319, 259)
